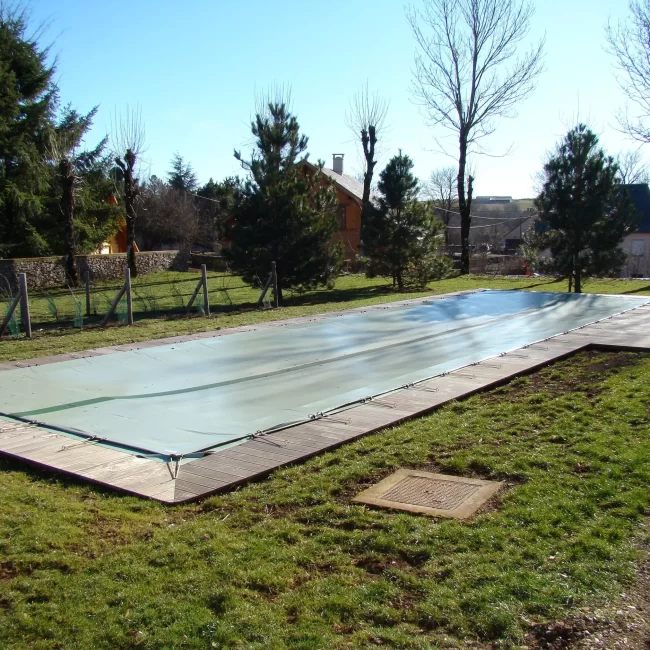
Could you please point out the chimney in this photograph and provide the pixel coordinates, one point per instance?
(337, 162)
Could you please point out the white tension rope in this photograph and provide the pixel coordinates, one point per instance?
(473, 216)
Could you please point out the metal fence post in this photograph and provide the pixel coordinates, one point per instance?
(24, 305)
(206, 294)
(129, 298)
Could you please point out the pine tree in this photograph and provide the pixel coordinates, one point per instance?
(284, 214)
(402, 234)
(584, 211)
(28, 98)
(182, 176)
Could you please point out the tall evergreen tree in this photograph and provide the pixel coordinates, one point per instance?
(52, 196)
(28, 98)
(584, 211)
(402, 234)
(181, 176)
(285, 213)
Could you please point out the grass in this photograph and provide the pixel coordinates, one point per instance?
(291, 562)
(350, 291)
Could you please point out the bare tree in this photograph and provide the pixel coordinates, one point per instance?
(128, 137)
(629, 42)
(467, 74)
(366, 118)
(61, 148)
(442, 190)
(631, 168)
(167, 216)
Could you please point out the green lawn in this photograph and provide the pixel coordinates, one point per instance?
(236, 307)
(291, 562)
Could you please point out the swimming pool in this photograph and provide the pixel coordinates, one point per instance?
(183, 398)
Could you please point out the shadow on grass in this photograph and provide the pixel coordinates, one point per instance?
(640, 290)
(540, 283)
(323, 296)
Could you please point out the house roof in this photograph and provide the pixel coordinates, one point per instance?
(639, 194)
(348, 184)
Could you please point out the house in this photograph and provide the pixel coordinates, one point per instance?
(637, 244)
(117, 243)
(512, 240)
(350, 195)
(495, 223)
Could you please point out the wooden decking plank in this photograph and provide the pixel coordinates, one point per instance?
(122, 469)
(238, 452)
(238, 464)
(290, 450)
(305, 432)
(293, 440)
(207, 471)
(225, 456)
(203, 485)
(126, 470)
(265, 455)
(182, 496)
(260, 447)
(23, 446)
(143, 482)
(10, 435)
(87, 463)
(63, 457)
(221, 473)
(336, 422)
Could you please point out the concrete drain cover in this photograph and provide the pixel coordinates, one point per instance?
(432, 494)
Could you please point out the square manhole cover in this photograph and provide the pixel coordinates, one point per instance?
(432, 494)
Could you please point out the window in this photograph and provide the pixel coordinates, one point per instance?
(638, 247)
(341, 214)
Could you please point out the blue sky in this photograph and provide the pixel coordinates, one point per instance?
(194, 69)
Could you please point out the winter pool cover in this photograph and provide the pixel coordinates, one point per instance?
(186, 397)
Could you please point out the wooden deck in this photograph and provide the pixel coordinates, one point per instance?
(214, 472)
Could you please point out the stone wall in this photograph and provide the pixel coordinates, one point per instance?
(49, 272)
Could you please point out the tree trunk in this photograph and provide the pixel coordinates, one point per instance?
(368, 141)
(67, 178)
(400, 280)
(130, 194)
(464, 204)
(577, 284)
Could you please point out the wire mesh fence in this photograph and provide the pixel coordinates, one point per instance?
(167, 294)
